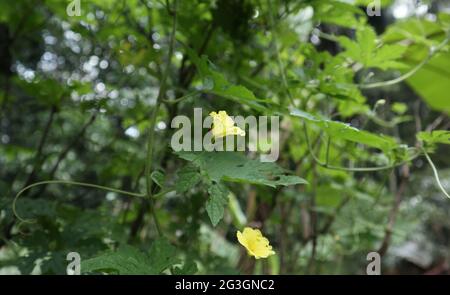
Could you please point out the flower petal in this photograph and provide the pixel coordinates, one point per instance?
(223, 125)
(255, 243)
(241, 239)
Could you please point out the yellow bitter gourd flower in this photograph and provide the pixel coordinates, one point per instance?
(255, 243)
(223, 125)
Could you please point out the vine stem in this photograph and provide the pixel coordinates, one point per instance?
(151, 135)
(436, 174)
(327, 161)
(68, 182)
(177, 100)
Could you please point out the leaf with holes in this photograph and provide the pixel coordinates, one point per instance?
(188, 177)
(131, 261)
(235, 167)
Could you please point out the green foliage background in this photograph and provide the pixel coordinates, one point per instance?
(89, 99)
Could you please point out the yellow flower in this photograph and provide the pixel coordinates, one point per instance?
(223, 125)
(255, 243)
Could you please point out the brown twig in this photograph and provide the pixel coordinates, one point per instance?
(394, 211)
(38, 157)
(63, 154)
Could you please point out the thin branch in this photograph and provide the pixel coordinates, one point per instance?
(177, 100)
(68, 147)
(314, 221)
(37, 157)
(277, 53)
(327, 158)
(435, 123)
(393, 214)
(151, 135)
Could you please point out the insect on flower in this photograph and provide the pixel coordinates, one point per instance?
(255, 243)
(223, 125)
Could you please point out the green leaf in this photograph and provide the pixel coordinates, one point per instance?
(432, 80)
(328, 196)
(162, 255)
(434, 137)
(215, 82)
(235, 167)
(336, 12)
(414, 29)
(366, 51)
(30, 208)
(188, 177)
(399, 108)
(159, 178)
(342, 130)
(189, 268)
(126, 260)
(218, 199)
(47, 91)
(386, 57)
(131, 261)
